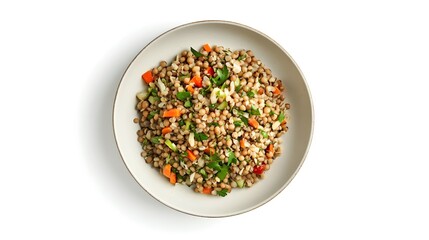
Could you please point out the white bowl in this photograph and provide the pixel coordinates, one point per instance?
(234, 36)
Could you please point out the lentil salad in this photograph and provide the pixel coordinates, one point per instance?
(212, 119)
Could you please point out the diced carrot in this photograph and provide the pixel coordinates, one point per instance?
(191, 155)
(166, 130)
(147, 77)
(270, 148)
(207, 47)
(173, 178)
(172, 113)
(209, 151)
(260, 91)
(242, 142)
(210, 71)
(277, 91)
(207, 190)
(253, 123)
(197, 80)
(190, 89)
(166, 171)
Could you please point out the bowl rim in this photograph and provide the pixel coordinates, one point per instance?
(306, 87)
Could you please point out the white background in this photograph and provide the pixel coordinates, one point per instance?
(366, 175)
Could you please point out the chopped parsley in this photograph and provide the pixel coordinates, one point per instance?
(196, 53)
(281, 117)
(182, 96)
(222, 192)
(200, 136)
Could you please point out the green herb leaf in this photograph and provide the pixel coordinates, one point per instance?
(181, 122)
(214, 165)
(238, 123)
(223, 172)
(152, 114)
(242, 57)
(271, 113)
(281, 117)
(254, 111)
(155, 139)
(200, 136)
(205, 91)
(245, 120)
(264, 134)
(231, 158)
(188, 104)
(203, 173)
(213, 124)
(196, 53)
(222, 192)
(251, 94)
(223, 74)
(215, 157)
(182, 77)
(212, 106)
(182, 96)
(238, 88)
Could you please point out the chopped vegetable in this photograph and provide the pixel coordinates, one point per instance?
(182, 96)
(207, 190)
(281, 117)
(242, 57)
(196, 53)
(214, 165)
(213, 124)
(209, 151)
(222, 192)
(155, 139)
(203, 173)
(171, 145)
(240, 183)
(166, 130)
(142, 95)
(173, 178)
(172, 113)
(188, 104)
(238, 123)
(200, 136)
(191, 155)
(253, 123)
(167, 170)
(223, 74)
(210, 71)
(151, 115)
(147, 77)
(231, 158)
(259, 169)
(254, 111)
(242, 142)
(251, 94)
(271, 113)
(260, 91)
(277, 91)
(223, 172)
(222, 106)
(270, 148)
(207, 48)
(264, 134)
(197, 80)
(153, 99)
(244, 120)
(190, 89)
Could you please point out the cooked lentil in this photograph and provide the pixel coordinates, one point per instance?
(214, 118)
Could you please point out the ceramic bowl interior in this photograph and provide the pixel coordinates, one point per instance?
(234, 36)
